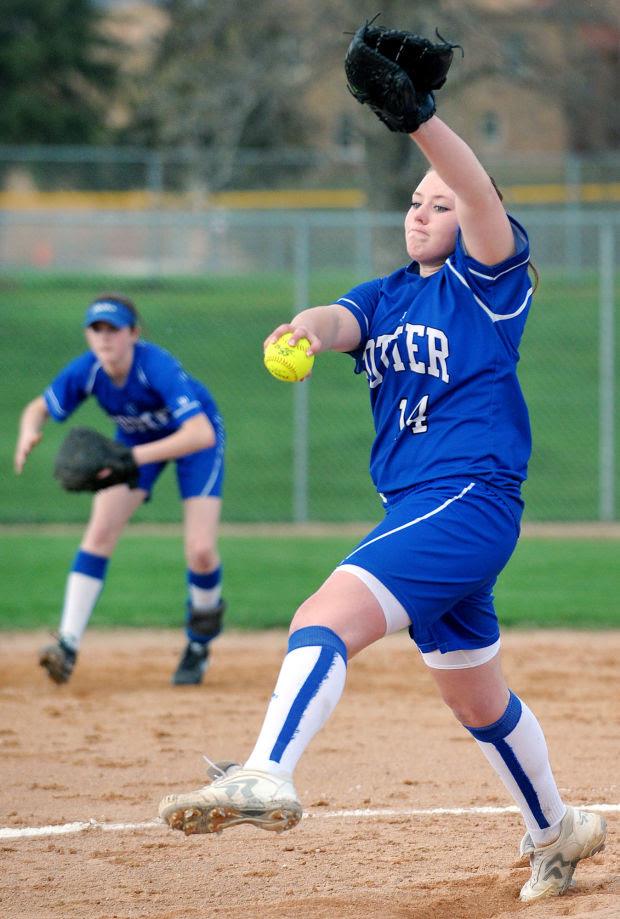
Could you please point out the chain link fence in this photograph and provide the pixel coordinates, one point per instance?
(211, 285)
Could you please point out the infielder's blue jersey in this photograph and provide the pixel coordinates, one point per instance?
(440, 355)
(155, 400)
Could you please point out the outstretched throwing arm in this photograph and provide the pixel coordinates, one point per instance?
(327, 328)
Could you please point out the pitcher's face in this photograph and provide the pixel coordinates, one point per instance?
(431, 223)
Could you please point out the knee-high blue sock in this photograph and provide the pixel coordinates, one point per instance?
(516, 748)
(309, 686)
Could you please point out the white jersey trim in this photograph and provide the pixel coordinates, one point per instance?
(357, 307)
(494, 277)
(186, 408)
(495, 317)
(90, 383)
(143, 377)
(217, 465)
(51, 395)
(411, 523)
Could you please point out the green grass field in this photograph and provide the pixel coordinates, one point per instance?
(548, 583)
(216, 326)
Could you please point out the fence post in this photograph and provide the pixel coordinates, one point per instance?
(363, 246)
(573, 178)
(606, 373)
(300, 391)
(154, 179)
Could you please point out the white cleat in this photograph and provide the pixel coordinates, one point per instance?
(582, 834)
(241, 796)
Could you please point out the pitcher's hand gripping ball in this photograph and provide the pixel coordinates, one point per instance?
(85, 454)
(289, 363)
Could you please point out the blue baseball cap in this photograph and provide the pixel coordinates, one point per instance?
(111, 311)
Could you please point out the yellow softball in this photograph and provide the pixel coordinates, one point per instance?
(288, 362)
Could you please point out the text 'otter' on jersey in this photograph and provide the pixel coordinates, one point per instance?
(429, 354)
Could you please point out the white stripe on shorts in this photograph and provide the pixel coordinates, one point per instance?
(411, 523)
(396, 617)
(219, 458)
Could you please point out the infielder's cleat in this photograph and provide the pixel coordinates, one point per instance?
(59, 660)
(192, 666)
(582, 834)
(243, 796)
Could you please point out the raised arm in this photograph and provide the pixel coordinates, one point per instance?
(486, 230)
(30, 434)
(396, 73)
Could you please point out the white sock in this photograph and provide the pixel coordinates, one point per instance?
(205, 590)
(516, 748)
(204, 599)
(84, 584)
(309, 686)
(81, 595)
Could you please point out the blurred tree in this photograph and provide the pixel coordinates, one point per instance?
(238, 76)
(234, 76)
(393, 162)
(565, 52)
(227, 76)
(585, 76)
(56, 73)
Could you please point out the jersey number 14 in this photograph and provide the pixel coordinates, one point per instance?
(416, 421)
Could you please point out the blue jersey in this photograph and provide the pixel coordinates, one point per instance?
(440, 355)
(157, 397)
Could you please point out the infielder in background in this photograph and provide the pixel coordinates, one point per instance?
(162, 414)
(438, 342)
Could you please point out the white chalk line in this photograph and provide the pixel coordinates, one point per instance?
(31, 832)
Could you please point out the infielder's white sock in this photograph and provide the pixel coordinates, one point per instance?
(84, 585)
(309, 686)
(516, 748)
(205, 590)
(204, 595)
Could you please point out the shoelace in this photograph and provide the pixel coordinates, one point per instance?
(214, 766)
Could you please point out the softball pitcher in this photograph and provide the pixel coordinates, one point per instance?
(438, 342)
(162, 414)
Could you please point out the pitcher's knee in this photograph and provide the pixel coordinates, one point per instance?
(478, 712)
(308, 613)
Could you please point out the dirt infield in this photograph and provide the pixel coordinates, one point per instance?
(109, 745)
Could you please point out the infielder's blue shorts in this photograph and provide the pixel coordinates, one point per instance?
(199, 475)
(439, 551)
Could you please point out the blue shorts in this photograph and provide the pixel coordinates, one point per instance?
(199, 475)
(439, 551)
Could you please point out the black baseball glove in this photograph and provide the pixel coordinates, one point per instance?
(84, 453)
(395, 73)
